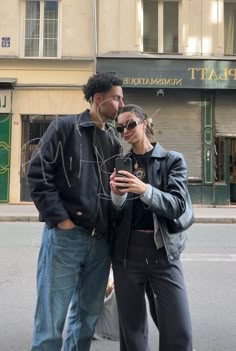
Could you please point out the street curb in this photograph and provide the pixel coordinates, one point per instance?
(203, 220)
(19, 219)
(226, 220)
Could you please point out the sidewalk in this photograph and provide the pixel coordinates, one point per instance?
(203, 214)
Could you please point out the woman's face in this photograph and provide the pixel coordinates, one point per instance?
(131, 128)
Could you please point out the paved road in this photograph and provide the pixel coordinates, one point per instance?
(210, 268)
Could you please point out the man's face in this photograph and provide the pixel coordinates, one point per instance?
(109, 103)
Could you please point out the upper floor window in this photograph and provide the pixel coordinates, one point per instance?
(160, 26)
(41, 28)
(230, 27)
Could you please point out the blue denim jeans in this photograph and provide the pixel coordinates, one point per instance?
(73, 269)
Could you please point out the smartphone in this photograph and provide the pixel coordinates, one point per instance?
(123, 164)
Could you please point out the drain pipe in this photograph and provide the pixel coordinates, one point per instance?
(94, 36)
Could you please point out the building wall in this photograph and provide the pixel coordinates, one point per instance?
(9, 26)
(119, 26)
(76, 30)
(201, 27)
(45, 86)
(46, 72)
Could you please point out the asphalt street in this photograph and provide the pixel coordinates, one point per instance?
(209, 263)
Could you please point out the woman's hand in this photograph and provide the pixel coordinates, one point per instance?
(127, 183)
(113, 185)
(66, 224)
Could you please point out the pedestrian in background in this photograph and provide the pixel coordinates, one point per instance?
(143, 249)
(69, 183)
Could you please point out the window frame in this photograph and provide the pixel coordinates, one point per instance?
(160, 30)
(41, 31)
(227, 39)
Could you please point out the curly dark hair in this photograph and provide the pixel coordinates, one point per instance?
(100, 83)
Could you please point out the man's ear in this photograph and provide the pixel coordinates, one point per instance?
(97, 98)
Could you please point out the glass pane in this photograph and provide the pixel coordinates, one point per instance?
(32, 23)
(32, 10)
(171, 27)
(51, 10)
(232, 160)
(150, 26)
(230, 28)
(31, 29)
(50, 31)
(50, 48)
(31, 47)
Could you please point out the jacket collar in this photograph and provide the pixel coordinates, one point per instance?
(159, 151)
(84, 120)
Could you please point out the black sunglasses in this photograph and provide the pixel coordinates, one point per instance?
(131, 124)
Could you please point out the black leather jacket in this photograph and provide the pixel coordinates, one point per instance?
(63, 173)
(169, 204)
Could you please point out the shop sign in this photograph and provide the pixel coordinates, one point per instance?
(178, 73)
(5, 101)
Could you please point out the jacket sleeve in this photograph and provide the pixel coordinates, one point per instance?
(43, 167)
(171, 202)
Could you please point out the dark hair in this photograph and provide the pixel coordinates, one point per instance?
(100, 83)
(139, 112)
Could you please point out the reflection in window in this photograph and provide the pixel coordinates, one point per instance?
(150, 26)
(219, 160)
(41, 28)
(232, 160)
(160, 17)
(230, 27)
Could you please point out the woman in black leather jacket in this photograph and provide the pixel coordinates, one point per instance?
(143, 250)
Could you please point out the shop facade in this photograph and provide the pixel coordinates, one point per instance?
(47, 53)
(193, 107)
(33, 110)
(27, 108)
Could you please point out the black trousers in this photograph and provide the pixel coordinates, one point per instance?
(147, 264)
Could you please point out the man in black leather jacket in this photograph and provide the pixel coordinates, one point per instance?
(69, 183)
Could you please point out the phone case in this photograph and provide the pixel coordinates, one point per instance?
(123, 164)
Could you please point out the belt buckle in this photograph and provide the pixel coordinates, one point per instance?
(93, 232)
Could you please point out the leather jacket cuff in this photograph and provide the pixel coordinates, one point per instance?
(147, 196)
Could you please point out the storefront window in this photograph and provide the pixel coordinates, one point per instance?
(230, 27)
(160, 26)
(232, 160)
(219, 159)
(33, 127)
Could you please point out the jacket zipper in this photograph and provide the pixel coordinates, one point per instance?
(154, 215)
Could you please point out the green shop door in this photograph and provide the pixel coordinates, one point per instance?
(232, 169)
(5, 146)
